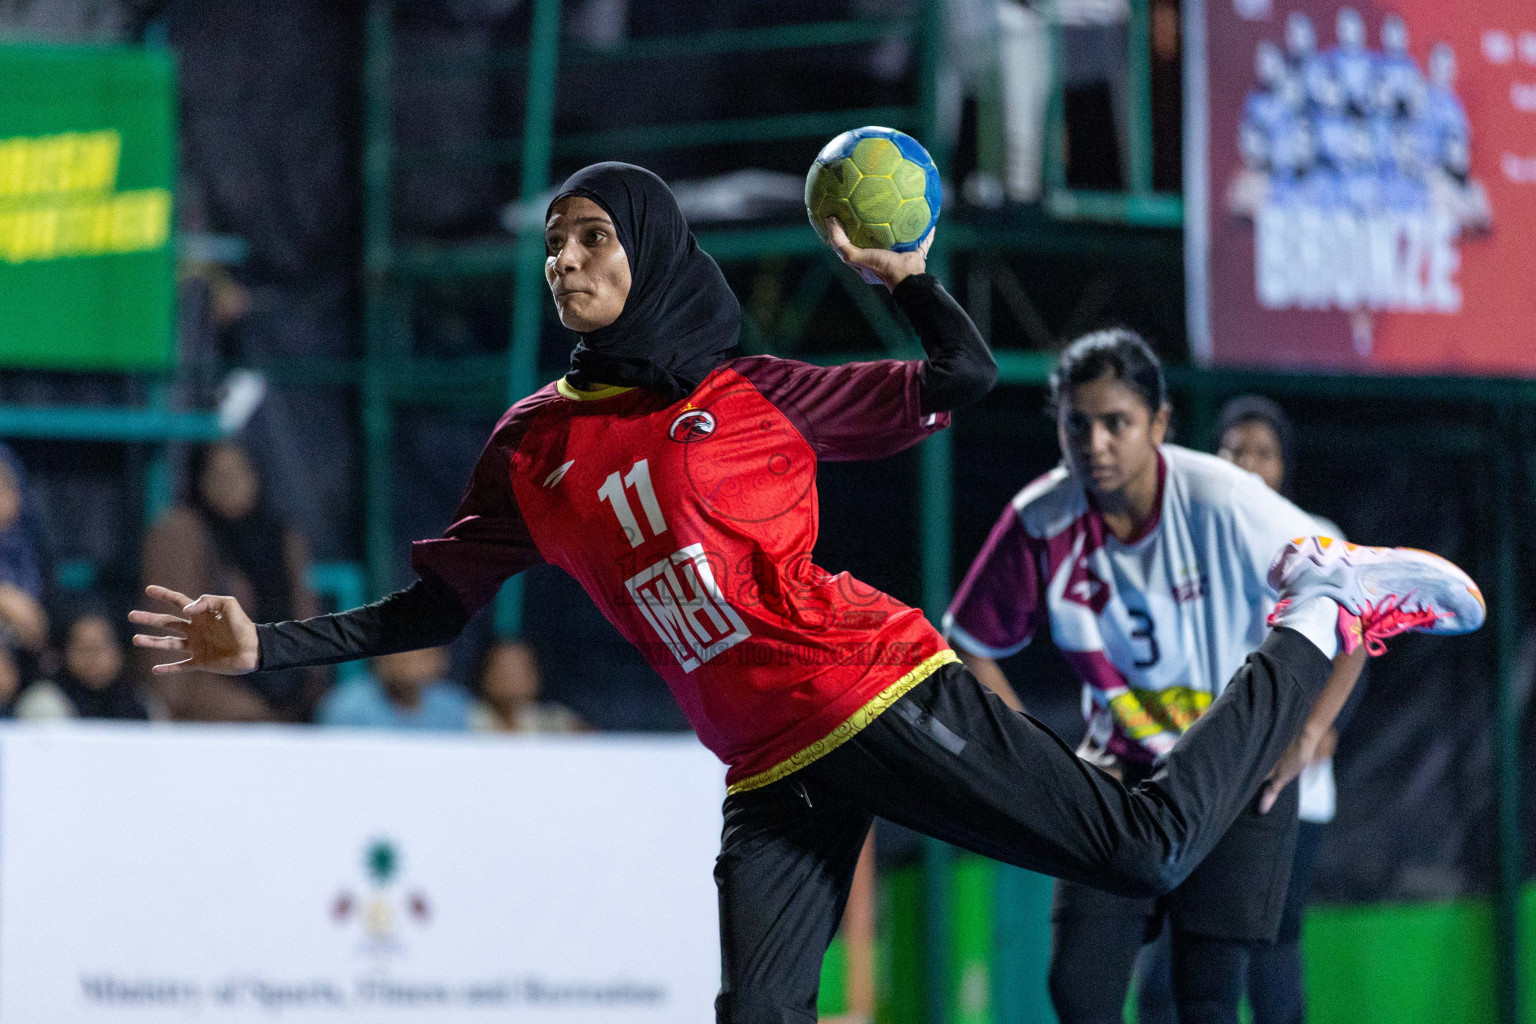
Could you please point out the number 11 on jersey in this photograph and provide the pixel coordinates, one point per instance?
(612, 491)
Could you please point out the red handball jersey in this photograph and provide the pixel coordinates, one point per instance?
(691, 526)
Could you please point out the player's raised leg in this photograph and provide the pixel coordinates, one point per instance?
(952, 760)
(1333, 594)
(1338, 595)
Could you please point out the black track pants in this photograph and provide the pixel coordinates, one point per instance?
(1202, 985)
(951, 760)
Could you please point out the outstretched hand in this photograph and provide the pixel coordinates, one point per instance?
(212, 634)
(878, 266)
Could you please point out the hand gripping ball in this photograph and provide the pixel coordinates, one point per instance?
(881, 185)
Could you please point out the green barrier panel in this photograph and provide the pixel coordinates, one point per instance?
(998, 941)
(899, 986)
(833, 997)
(87, 165)
(105, 423)
(1403, 964)
(1023, 935)
(1527, 963)
(971, 940)
(1421, 963)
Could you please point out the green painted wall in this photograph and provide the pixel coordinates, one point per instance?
(1417, 963)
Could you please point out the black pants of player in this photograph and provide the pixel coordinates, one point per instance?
(1209, 974)
(1229, 907)
(950, 759)
(1215, 967)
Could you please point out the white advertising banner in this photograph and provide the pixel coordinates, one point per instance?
(243, 874)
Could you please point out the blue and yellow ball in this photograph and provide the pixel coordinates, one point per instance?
(880, 184)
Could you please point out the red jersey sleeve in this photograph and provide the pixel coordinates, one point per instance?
(849, 412)
(488, 541)
(1002, 601)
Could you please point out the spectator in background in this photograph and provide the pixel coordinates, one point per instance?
(509, 694)
(406, 691)
(22, 618)
(93, 681)
(223, 539)
(10, 682)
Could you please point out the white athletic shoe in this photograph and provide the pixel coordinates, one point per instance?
(1380, 591)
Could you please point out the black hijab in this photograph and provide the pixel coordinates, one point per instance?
(681, 319)
(1247, 408)
(119, 698)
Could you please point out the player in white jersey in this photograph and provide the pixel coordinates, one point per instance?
(1147, 562)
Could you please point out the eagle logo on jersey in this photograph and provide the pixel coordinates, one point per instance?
(692, 425)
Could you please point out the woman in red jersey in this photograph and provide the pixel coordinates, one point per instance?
(676, 481)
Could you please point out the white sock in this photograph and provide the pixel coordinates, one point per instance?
(1317, 619)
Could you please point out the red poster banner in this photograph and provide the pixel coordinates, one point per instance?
(1361, 184)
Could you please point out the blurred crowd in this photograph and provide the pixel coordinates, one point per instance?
(65, 651)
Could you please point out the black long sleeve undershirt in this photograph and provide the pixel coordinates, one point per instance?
(960, 369)
(419, 616)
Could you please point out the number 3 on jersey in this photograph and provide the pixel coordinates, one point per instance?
(678, 594)
(1145, 631)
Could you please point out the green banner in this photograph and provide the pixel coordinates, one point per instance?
(87, 165)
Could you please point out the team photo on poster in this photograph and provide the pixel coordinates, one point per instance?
(1360, 198)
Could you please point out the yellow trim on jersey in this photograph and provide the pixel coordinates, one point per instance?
(575, 395)
(850, 728)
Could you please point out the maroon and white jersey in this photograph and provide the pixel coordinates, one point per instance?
(1154, 626)
(691, 524)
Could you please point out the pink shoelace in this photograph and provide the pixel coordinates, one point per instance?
(1389, 618)
(1386, 618)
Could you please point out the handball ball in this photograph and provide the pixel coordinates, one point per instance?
(880, 184)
